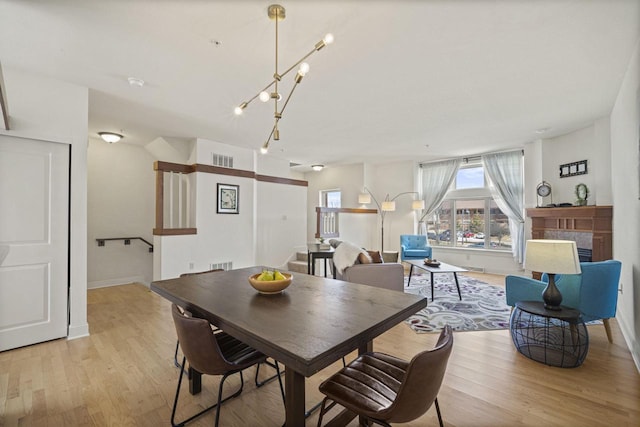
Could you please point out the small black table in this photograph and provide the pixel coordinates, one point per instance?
(317, 251)
(553, 337)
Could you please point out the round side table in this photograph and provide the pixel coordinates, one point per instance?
(553, 337)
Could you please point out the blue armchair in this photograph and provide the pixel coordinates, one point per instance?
(594, 292)
(414, 247)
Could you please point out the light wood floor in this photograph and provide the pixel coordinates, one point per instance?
(123, 375)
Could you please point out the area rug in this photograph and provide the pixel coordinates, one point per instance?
(483, 306)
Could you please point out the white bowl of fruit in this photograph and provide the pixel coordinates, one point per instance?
(270, 281)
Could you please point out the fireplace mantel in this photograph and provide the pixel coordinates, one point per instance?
(594, 220)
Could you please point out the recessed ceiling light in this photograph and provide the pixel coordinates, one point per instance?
(110, 137)
(134, 81)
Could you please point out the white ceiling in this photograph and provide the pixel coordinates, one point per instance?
(403, 80)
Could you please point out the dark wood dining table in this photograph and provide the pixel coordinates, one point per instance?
(307, 327)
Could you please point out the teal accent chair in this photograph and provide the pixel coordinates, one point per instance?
(414, 246)
(594, 292)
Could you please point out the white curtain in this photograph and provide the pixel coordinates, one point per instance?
(506, 181)
(436, 180)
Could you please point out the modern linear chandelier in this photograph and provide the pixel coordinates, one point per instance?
(277, 13)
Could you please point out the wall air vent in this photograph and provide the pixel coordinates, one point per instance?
(221, 160)
(293, 164)
(223, 265)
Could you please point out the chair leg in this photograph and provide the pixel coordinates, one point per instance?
(271, 378)
(175, 355)
(277, 375)
(216, 405)
(322, 411)
(607, 328)
(439, 414)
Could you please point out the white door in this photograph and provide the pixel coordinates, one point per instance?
(34, 224)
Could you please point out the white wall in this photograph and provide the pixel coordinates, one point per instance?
(625, 163)
(121, 203)
(271, 221)
(592, 144)
(349, 179)
(51, 110)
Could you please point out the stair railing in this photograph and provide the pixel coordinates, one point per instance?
(328, 223)
(127, 241)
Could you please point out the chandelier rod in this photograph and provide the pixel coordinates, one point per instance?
(275, 75)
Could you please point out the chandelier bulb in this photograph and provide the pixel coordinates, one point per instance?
(264, 149)
(264, 96)
(328, 38)
(239, 108)
(304, 69)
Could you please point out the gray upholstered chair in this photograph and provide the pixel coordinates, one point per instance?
(385, 389)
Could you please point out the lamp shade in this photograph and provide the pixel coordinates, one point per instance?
(388, 206)
(417, 205)
(364, 198)
(552, 256)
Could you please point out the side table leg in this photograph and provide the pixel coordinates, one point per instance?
(308, 262)
(431, 272)
(455, 276)
(410, 273)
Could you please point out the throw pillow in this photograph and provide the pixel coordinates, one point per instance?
(334, 243)
(376, 258)
(364, 258)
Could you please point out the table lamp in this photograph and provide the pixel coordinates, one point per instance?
(552, 257)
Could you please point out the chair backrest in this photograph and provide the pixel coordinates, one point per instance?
(413, 241)
(422, 381)
(596, 287)
(198, 343)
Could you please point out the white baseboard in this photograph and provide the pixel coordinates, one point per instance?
(118, 281)
(78, 331)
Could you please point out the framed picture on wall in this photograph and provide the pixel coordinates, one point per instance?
(228, 196)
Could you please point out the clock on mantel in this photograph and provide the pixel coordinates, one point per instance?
(543, 190)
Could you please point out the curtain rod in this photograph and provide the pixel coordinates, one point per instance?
(466, 159)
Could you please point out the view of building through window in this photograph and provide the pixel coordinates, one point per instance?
(469, 217)
(330, 198)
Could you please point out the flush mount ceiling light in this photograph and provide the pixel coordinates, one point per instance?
(277, 13)
(136, 82)
(317, 168)
(110, 137)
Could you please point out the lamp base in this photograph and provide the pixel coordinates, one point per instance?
(551, 295)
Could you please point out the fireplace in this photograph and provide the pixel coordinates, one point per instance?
(585, 255)
(589, 226)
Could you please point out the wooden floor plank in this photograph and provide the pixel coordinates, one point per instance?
(123, 374)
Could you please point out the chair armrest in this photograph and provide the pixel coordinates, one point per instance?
(387, 276)
(520, 288)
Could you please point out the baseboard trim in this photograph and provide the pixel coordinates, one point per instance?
(115, 282)
(76, 332)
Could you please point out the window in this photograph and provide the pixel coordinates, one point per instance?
(470, 177)
(469, 217)
(330, 198)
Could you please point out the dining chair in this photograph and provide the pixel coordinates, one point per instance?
(212, 353)
(175, 354)
(385, 389)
